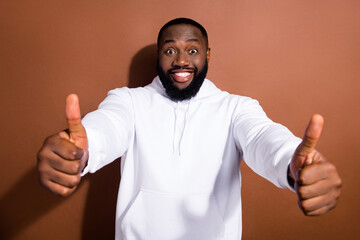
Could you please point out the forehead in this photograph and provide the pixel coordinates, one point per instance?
(181, 32)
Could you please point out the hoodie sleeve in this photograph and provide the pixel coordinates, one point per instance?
(109, 129)
(267, 147)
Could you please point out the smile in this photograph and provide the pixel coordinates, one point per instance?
(182, 76)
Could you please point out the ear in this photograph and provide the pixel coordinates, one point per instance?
(208, 54)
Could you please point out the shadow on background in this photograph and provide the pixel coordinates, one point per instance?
(27, 201)
(23, 204)
(99, 216)
(143, 67)
(100, 207)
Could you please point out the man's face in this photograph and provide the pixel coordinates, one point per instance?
(182, 55)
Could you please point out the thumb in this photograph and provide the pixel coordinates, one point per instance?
(73, 118)
(306, 149)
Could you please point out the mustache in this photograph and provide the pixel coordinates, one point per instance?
(182, 68)
(190, 91)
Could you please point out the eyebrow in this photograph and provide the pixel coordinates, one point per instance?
(188, 40)
(168, 41)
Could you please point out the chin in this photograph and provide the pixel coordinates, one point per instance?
(182, 86)
(182, 91)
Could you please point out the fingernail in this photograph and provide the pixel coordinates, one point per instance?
(79, 153)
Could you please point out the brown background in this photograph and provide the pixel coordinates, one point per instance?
(295, 57)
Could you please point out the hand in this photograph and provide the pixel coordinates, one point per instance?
(317, 182)
(63, 156)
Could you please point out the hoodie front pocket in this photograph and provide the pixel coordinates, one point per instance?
(163, 216)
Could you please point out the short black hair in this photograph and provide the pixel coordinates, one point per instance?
(177, 21)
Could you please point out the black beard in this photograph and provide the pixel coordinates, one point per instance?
(190, 91)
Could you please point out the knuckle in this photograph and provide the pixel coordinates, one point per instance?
(332, 205)
(304, 206)
(302, 177)
(337, 194)
(303, 192)
(45, 148)
(40, 154)
(74, 181)
(64, 192)
(49, 140)
(307, 213)
(338, 182)
(42, 180)
(331, 168)
(42, 169)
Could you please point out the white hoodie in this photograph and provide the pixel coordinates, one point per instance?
(180, 175)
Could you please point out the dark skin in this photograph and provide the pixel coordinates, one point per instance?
(182, 48)
(317, 182)
(63, 156)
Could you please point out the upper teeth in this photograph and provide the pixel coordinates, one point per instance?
(182, 74)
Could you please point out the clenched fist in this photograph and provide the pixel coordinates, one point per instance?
(317, 182)
(64, 155)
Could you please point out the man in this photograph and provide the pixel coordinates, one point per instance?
(181, 140)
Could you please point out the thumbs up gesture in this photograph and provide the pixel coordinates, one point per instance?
(317, 182)
(63, 156)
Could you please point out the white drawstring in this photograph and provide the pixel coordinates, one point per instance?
(175, 124)
(183, 131)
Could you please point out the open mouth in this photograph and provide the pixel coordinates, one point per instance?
(182, 76)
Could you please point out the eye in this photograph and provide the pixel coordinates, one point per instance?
(170, 51)
(193, 51)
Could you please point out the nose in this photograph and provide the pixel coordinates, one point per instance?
(181, 60)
